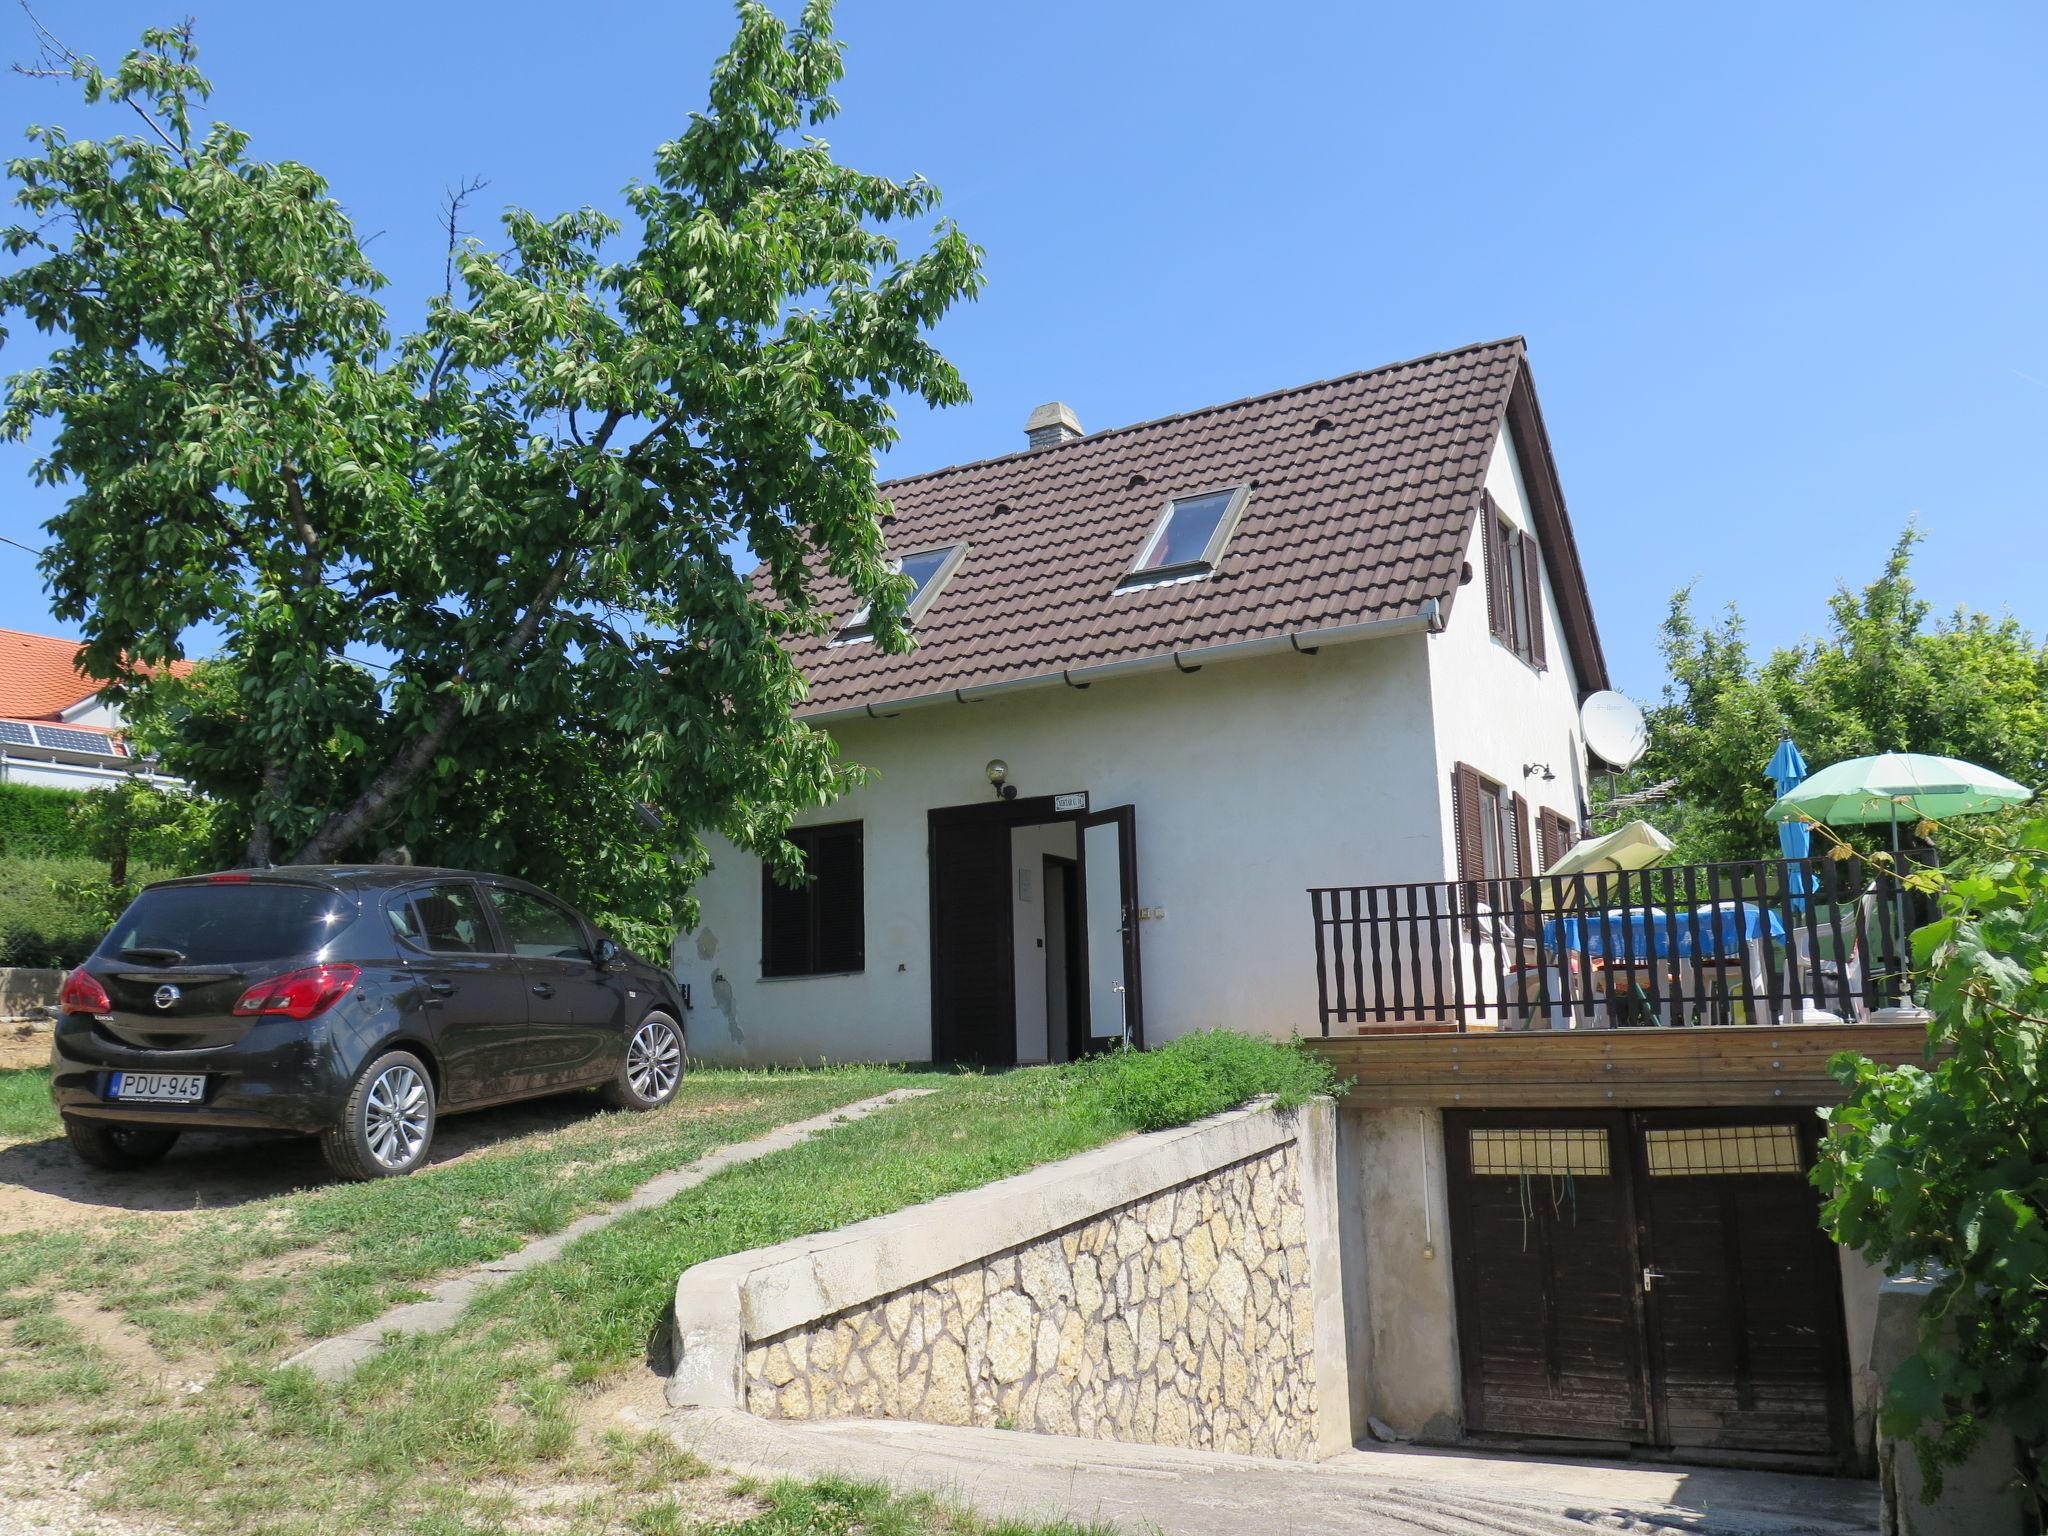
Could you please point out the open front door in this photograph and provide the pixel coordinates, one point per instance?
(1109, 887)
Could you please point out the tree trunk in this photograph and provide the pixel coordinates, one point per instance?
(345, 826)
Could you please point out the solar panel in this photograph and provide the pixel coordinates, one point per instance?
(16, 734)
(65, 740)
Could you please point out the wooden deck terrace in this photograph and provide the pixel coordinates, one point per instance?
(1759, 1065)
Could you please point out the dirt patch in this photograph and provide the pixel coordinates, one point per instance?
(40, 1496)
(126, 1347)
(24, 1043)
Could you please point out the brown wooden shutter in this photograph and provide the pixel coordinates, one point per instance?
(1523, 847)
(1465, 812)
(1499, 620)
(1532, 571)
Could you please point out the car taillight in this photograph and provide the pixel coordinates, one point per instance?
(83, 994)
(300, 994)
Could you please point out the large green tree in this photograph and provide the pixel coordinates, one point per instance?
(517, 508)
(1886, 676)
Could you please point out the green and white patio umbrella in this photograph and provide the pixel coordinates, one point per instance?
(1895, 788)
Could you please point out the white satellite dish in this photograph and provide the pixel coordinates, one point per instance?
(1614, 729)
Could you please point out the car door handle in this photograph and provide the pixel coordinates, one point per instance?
(440, 988)
(542, 989)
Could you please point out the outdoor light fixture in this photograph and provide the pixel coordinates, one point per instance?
(998, 772)
(1530, 770)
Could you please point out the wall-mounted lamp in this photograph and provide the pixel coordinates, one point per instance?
(998, 773)
(1531, 770)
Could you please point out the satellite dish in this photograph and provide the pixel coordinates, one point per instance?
(1614, 729)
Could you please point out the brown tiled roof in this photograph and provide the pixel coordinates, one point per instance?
(1364, 492)
(40, 677)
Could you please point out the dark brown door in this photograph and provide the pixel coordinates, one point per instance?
(1543, 1249)
(1658, 1278)
(1114, 990)
(1742, 1290)
(973, 993)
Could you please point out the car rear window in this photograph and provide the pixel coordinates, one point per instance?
(207, 924)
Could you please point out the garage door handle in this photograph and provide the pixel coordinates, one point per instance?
(542, 989)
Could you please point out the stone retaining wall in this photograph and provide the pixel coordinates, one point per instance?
(1183, 1319)
(1175, 1289)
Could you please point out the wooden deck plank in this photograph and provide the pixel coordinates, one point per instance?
(1621, 1068)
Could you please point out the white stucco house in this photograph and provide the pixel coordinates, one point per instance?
(55, 730)
(1330, 635)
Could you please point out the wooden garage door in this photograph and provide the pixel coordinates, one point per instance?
(1542, 1244)
(1658, 1278)
(1743, 1292)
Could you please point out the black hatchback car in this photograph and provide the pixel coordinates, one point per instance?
(356, 1004)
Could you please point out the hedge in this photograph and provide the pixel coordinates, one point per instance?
(40, 923)
(35, 822)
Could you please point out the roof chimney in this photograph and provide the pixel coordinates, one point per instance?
(1051, 423)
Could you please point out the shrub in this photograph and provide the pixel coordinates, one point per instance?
(1205, 1074)
(36, 821)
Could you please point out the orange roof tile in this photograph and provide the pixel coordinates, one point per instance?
(40, 677)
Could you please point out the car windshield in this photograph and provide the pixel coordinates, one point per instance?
(214, 924)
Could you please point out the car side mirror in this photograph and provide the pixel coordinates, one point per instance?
(608, 952)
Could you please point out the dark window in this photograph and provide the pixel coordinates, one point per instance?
(818, 928)
(444, 919)
(215, 924)
(1514, 586)
(535, 925)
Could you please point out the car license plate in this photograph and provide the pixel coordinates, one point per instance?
(158, 1087)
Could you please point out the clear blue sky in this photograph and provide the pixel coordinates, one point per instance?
(1780, 267)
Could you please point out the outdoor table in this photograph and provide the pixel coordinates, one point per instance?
(1713, 935)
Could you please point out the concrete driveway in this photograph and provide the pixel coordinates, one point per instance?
(1381, 1491)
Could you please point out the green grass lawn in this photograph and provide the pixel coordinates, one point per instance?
(474, 1430)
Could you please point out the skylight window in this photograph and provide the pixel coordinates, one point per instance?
(1189, 537)
(930, 569)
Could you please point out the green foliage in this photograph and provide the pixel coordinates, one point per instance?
(523, 503)
(35, 822)
(1204, 1074)
(1943, 1169)
(1882, 680)
(43, 920)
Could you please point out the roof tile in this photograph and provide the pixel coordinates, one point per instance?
(1361, 520)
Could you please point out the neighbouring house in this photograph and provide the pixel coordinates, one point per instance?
(1214, 660)
(1265, 716)
(54, 728)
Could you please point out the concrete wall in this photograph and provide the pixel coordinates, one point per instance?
(1400, 1315)
(25, 991)
(1179, 1288)
(1492, 709)
(1252, 780)
(1977, 1498)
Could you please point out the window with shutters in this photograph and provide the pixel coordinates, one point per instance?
(1514, 587)
(818, 928)
(1492, 827)
(1555, 834)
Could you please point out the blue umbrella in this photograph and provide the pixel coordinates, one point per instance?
(1795, 838)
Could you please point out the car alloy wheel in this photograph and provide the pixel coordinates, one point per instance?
(395, 1116)
(654, 1060)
